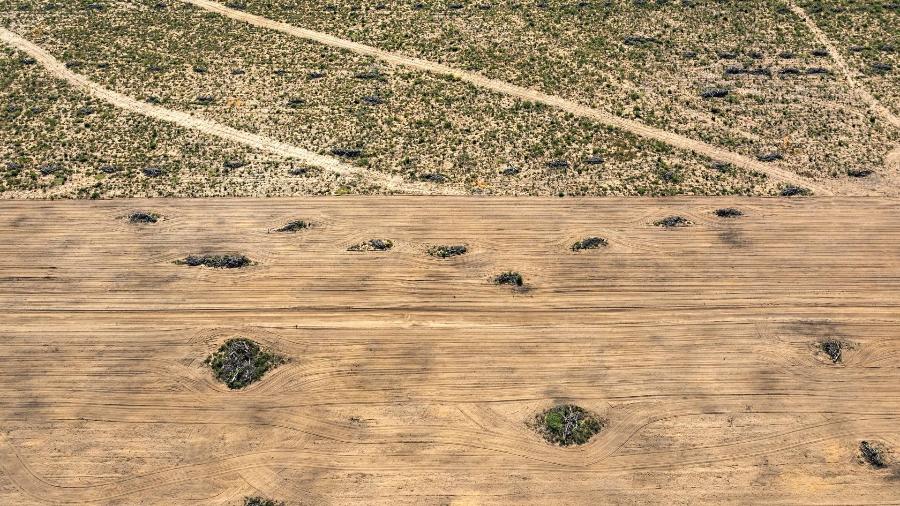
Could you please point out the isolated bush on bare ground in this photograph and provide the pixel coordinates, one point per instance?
(872, 454)
(372, 245)
(511, 278)
(143, 217)
(261, 501)
(447, 251)
(294, 226)
(240, 362)
(833, 349)
(567, 424)
(589, 243)
(728, 212)
(216, 261)
(672, 221)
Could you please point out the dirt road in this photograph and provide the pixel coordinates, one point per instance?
(411, 378)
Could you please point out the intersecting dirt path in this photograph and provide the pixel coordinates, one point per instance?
(411, 378)
(634, 127)
(58, 69)
(844, 68)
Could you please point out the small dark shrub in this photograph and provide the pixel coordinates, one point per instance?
(294, 226)
(594, 160)
(672, 221)
(217, 261)
(833, 349)
(510, 171)
(27, 60)
(820, 52)
(769, 157)
(233, 164)
(790, 71)
(109, 169)
(872, 455)
(152, 171)
(240, 362)
(558, 164)
(347, 152)
(372, 245)
(200, 69)
(261, 501)
(447, 251)
(315, 75)
(205, 99)
(817, 71)
(372, 100)
(433, 177)
(589, 243)
(882, 68)
(143, 217)
(714, 93)
(860, 172)
(509, 278)
(49, 168)
(728, 212)
(368, 75)
(567, 424)
(793, 191)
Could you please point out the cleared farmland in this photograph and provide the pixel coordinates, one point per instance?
(411, 378)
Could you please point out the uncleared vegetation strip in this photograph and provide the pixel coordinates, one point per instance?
(634, 127)
(861, 91)
(206, 126)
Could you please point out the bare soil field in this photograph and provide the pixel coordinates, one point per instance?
(719, 350)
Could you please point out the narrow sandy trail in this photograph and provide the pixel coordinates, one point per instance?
(628, 125)
(864, 94)
(58, 69)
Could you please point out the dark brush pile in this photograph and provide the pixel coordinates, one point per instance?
(240, 362)
(567, 424)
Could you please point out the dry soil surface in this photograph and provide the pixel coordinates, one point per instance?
(411, 378)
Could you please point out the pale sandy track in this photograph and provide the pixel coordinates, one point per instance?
(412, 378)
(506, 88)
(842, 66)
(58, 69)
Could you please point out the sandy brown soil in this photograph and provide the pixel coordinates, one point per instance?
(411, 378)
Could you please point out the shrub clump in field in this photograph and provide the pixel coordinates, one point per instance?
(372, 245)
(567, 424)
(860, 172)
(241, 361)
(143, 217)
(728, 212)
(589, 243)
(510, 278)
(873, 455)
(672, 222)
(294, 226)
(447, 251)
(794, 191)
(217, 261)
(833, 349)
(261, 501)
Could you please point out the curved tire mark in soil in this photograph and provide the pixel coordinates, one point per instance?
(864, 94)
(634, 127)
(56, 68)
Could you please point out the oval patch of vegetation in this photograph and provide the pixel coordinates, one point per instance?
(447, 251)
(143, 217)
(372, 245)
(589, 243)
(216, 261)
(510, 278)
(672, 222)
(567, 425)
(728, 212)
(240, 362)
(294, 226)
